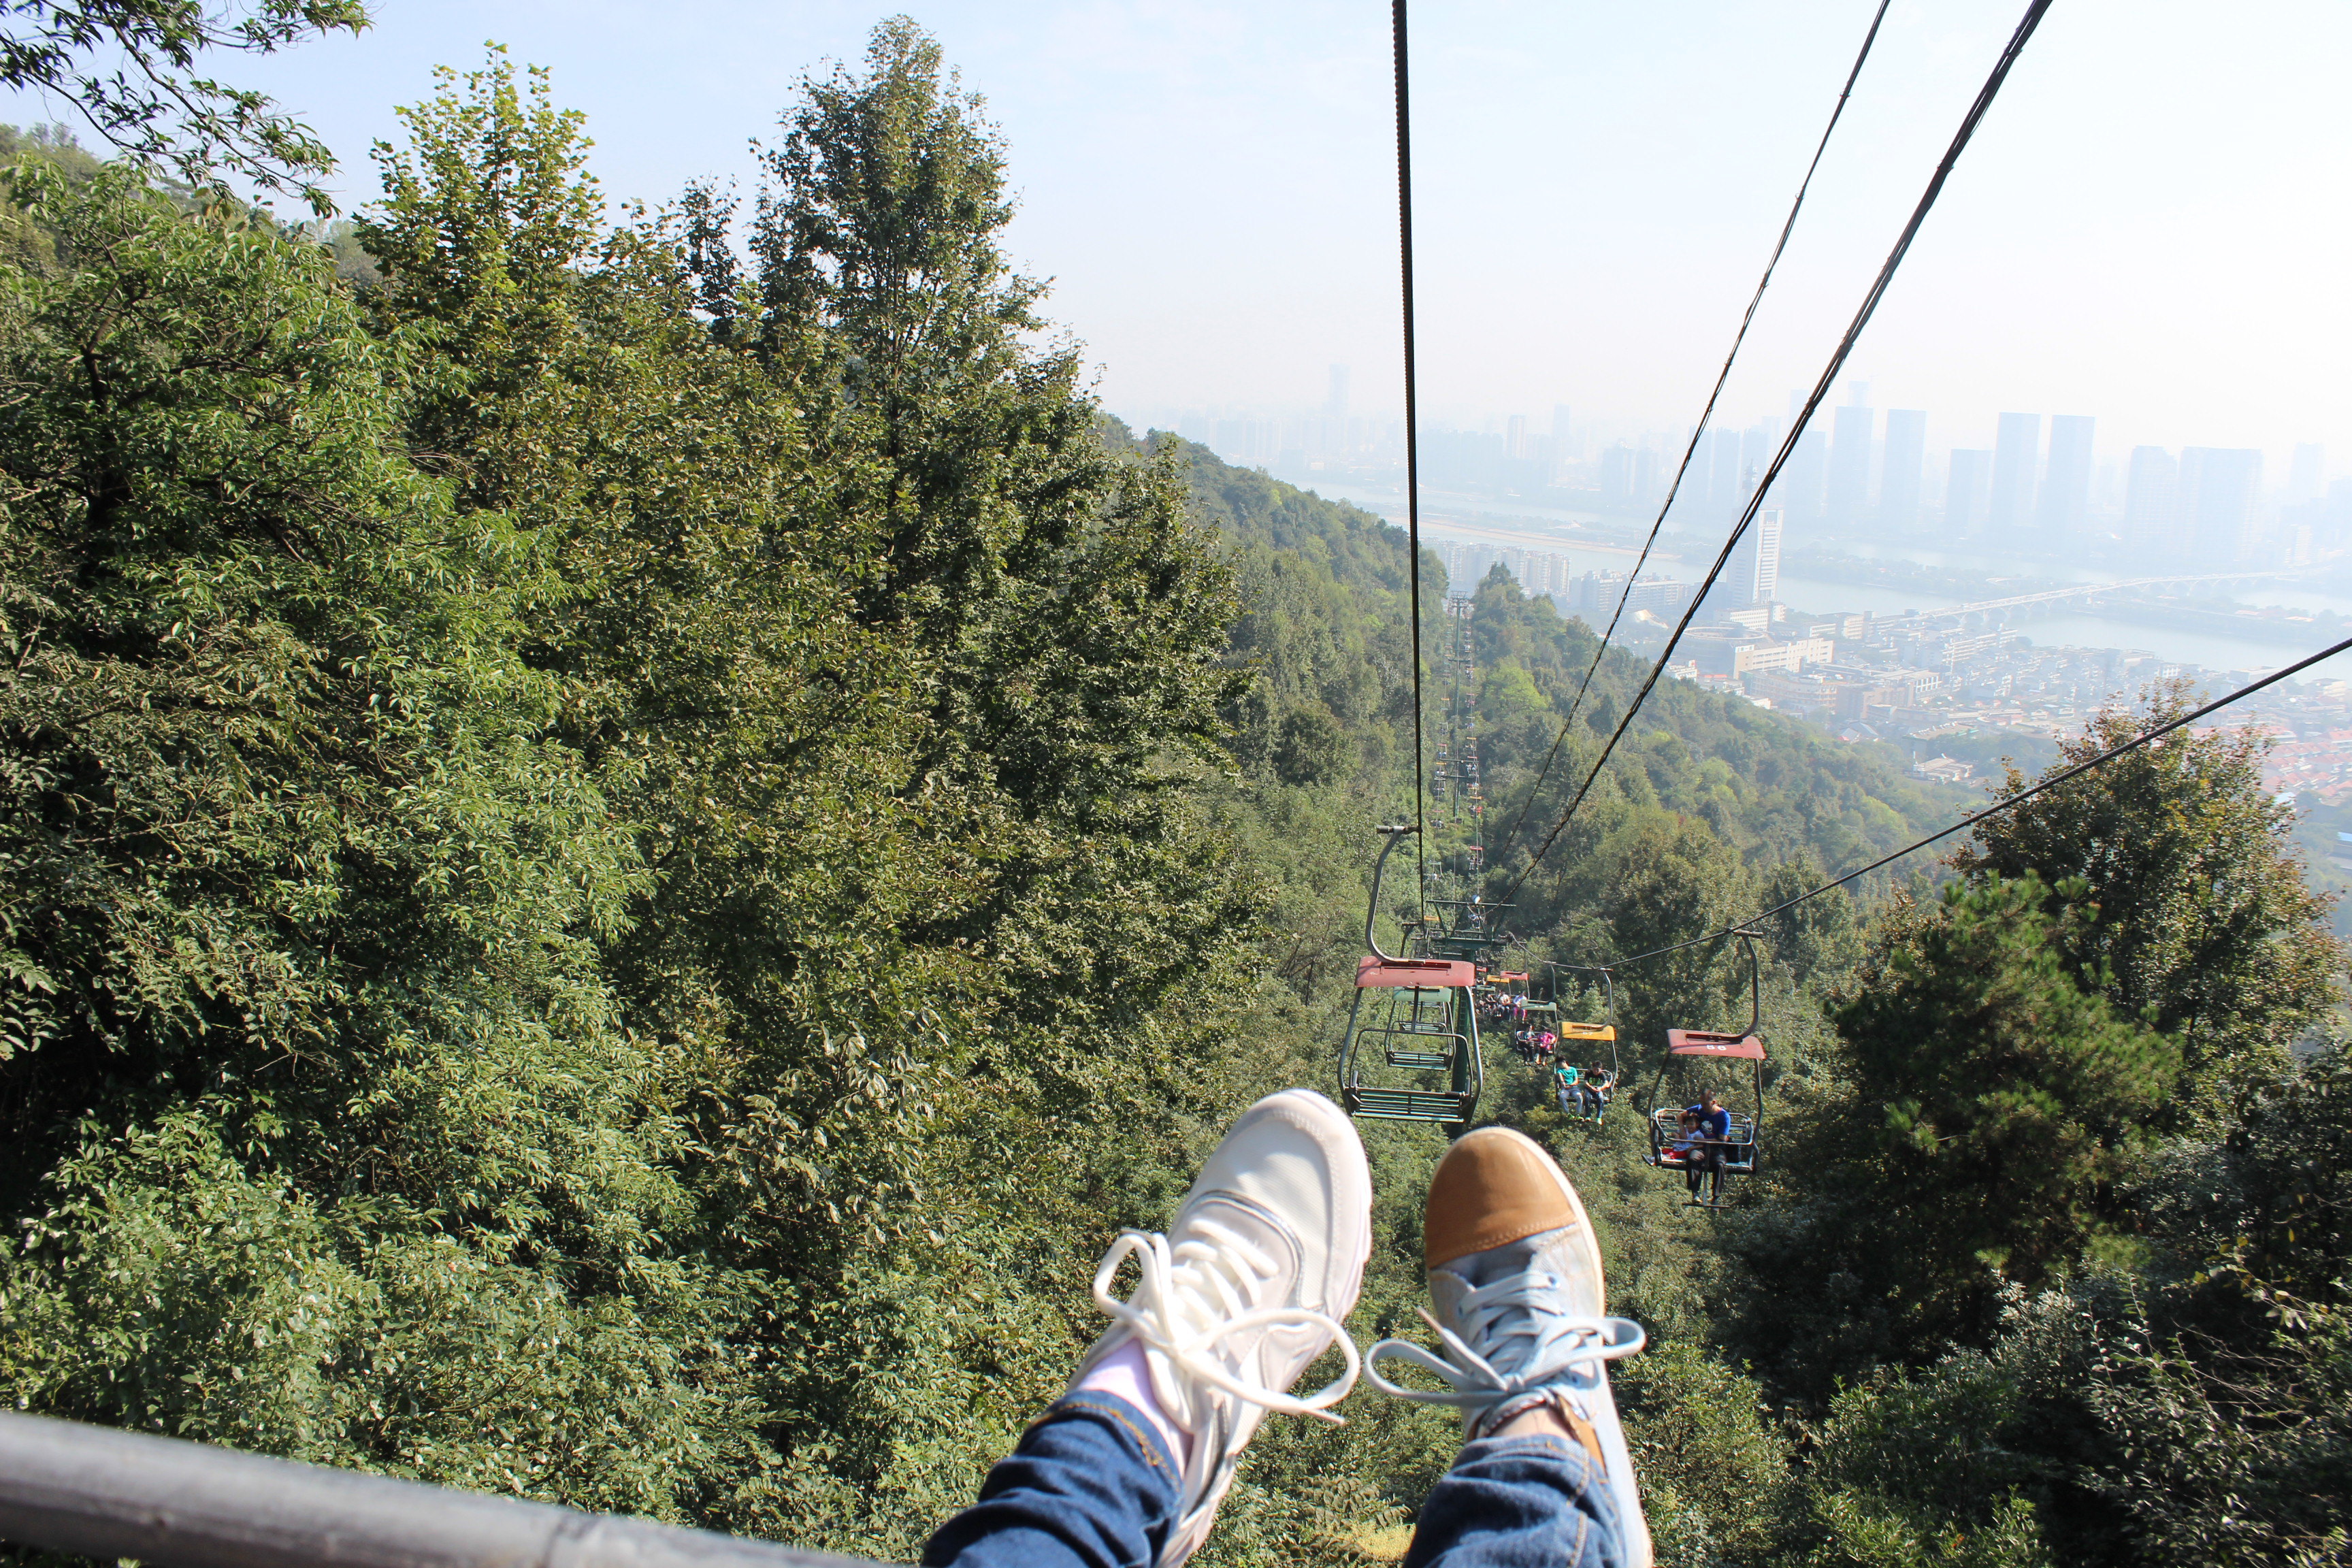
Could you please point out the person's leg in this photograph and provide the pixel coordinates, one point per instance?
(1246, 1289)
(1092, 1484)
(1544, 1475)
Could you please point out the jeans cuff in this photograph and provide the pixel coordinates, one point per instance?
(1533, 1446)
(1092, 1404)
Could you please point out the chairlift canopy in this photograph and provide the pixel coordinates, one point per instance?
(1414, 973)
(1707, 1043)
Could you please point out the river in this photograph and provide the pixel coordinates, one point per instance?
(1445, 515)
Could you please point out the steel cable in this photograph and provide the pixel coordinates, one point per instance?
(1969, 124)
(1705, 415)
(2019, 798)
(1411, 455)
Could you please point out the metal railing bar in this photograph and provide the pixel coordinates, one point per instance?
(69, 1486)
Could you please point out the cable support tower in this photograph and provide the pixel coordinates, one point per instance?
(1457, 752)
(1705, 417)
(1982, 104)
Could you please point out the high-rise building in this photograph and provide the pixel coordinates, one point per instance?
(1514, 437)
(2065, 506)
(1756, 443)
(2016, 451)
(1618, 477)
(1563, 446)
(1967, 491)
(1906, 456)
(1849, 489)
(2151, 500)
(1798, 492)
(1694, 500)
(1726, 494)
(2307, 475)
(1335, 406)
(1752, 574)
(2220, 507)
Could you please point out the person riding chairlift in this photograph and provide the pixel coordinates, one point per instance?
(1680, 1150)
(1713, 1124)
(1592, 1089)
(1583, 1093)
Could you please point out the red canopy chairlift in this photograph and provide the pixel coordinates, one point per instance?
(1706, 1163)
(1410, 1052)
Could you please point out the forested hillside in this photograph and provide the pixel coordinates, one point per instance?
(624, 848)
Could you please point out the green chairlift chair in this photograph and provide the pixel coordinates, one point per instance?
(1411, 1053)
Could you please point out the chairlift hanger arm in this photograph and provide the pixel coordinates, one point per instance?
(1395, 831)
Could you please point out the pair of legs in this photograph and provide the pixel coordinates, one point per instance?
(1706, 1159)
(1250, 1285)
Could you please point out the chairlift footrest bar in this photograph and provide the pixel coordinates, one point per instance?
(1408, 1104)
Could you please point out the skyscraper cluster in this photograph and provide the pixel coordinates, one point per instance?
(2202, 508)
(1855, 477)
(1856, 470)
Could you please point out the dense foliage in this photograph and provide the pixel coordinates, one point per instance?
(623, 846)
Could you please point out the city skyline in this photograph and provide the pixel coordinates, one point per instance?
(2048, 479)
(2303, 469)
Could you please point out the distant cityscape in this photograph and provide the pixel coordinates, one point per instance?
(1929, 681)
(2041, 487)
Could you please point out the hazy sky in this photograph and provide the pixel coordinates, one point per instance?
(2149, 227)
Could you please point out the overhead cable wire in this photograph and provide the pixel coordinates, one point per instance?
(1705, 415)
(2019, 798)
(1411, 453)
(1969, 124)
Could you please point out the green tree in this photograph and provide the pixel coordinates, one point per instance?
(1967, 1136)
(927, 890)
(2206, 928)
(128, 66)
(330, 1137)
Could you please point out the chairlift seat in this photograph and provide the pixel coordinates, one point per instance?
(1570, 1029)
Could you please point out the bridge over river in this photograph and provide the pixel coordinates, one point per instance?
(2086, 596)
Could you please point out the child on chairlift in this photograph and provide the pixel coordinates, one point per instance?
(1679, 1150)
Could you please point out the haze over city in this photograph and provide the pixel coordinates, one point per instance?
(2141, 231)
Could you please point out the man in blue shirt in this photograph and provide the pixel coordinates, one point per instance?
(1713, 1126)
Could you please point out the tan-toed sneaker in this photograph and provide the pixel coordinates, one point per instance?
(1515, 1284)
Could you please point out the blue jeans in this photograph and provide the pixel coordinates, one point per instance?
(1092, 1485)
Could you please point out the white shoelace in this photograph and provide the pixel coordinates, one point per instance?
(1188, 1297)
(1528, 1345)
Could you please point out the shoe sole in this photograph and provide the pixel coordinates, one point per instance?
(1639, 1553)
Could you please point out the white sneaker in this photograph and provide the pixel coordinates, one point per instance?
(1246, 1289)
(1515, 1276)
